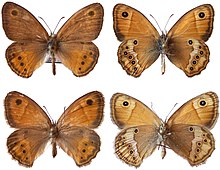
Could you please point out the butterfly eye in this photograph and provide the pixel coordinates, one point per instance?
(124, 14)
(125, 103)
(201, 15)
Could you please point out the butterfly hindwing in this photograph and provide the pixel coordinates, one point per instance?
(135, 143)
(25, 145)
(79, 57)
(80, 143)
(192, 142)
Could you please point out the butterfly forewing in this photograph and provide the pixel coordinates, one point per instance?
(20, 25)
(196, 23)
(87, 111)
(23, 112)
(83, 26)
(127, 111)
(201, 110)
(130, 23)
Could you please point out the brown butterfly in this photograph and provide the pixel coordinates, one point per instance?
(184, 44)
(186, 132)
(72, 132)
(71, 45)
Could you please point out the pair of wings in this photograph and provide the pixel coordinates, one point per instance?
(184, 44)
(75, 135)
(74, 47)
(185, 131)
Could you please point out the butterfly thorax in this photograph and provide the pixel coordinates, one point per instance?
(162, 47)
(52, 44)
(162, 43)
(52, 47)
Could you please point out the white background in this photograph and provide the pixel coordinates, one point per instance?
(108, 77)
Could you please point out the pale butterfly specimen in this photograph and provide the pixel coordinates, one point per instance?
(72, 45)
(73, 132)
(187, 131)
(184, 44)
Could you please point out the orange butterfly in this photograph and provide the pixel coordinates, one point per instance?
(187, 131)
(71, 45)
(72, 132)
(184, 44)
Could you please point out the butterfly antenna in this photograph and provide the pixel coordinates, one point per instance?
(48, 114)
(156, 22)
(45, 24)
(167, 22)
(170, 112)
(58, 24)
(152, 107)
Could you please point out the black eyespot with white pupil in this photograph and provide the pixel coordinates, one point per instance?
(201, 15)
(125, 103)
(191, 129)
(124, 14)
(190, 42)
(202, 103)
(135, 42)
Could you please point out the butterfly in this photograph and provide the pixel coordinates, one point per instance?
(71, 45)
(72, 132)
(184, 45)
(186, 132)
